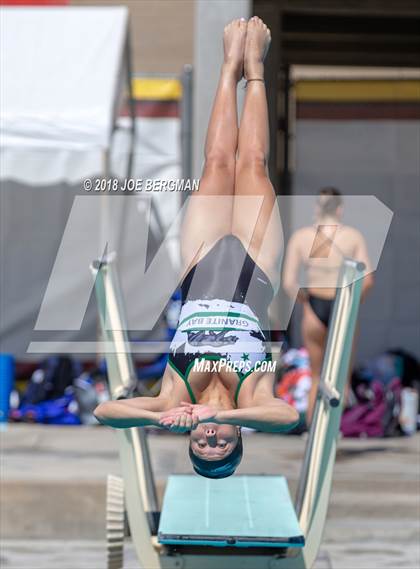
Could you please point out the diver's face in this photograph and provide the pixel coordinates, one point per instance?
(213, 442)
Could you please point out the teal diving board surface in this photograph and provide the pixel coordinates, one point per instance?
(239, 511)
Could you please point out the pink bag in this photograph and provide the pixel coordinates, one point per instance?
(376, 412)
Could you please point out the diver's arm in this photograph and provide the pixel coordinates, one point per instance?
(135, 412)
(273, 417)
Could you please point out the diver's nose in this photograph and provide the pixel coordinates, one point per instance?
(210, 432)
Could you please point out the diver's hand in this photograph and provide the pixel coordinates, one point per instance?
(179, 422)
(182, 409)
(204, 413)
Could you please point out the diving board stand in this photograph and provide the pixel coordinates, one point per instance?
(288, 539)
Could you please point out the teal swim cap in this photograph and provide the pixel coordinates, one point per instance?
(218, 468)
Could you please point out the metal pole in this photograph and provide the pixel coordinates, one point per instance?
(286, 133)
(131, 105)
(121, 369)
(186, 125)
(104, 219)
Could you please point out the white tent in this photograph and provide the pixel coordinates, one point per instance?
(64, 72)
(62, 77)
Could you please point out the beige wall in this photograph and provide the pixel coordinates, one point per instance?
(161, 32)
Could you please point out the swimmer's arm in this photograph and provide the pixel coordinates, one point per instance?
(368, 282)
(361, 254)
(291, 269)
(274, 416)
(135, 412)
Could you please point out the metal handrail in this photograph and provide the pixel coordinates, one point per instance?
(329, 394)
(140, 488)
(316, 474)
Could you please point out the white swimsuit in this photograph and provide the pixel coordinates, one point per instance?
(228, 330)
(224, 316)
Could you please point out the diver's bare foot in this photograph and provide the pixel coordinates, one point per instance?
(258, 38)
(234, 36)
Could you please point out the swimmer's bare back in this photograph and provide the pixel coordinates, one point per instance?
(321, 250)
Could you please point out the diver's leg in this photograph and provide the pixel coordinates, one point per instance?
(209, 211)
(256, 223)
(314, 335)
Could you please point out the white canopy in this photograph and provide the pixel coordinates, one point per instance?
(62, 72)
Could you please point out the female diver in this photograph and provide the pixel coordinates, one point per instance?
(320, 249)
(228, 287)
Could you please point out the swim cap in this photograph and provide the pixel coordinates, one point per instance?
(218, 468)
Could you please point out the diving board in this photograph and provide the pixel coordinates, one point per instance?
(196, 511)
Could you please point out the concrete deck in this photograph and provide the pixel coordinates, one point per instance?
(53, 495)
